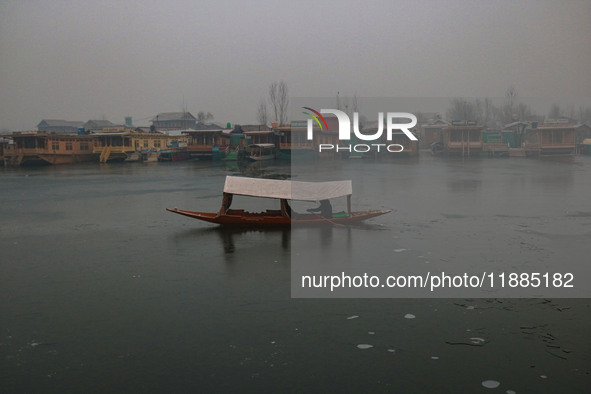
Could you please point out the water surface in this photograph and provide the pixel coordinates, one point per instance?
(102, 290)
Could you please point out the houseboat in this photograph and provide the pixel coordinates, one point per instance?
(40, 148)
(209, 142)
(4, 144)
(120, 144)
(554, 137)
(405, 146)
(432, 132)
(463, 138)
(495, 143)
(256, 134)
(583, 138)
(115, 144)
(292, 141)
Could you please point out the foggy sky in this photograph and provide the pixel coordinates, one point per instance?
(81, 60)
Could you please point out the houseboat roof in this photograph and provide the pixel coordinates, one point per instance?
(105, 133)
(60, 123)
(518, 123)
(263, 145)
(166, 116)
(254, 132)
(288, 190)
(556, 126)
(43, 134)
(205, 131)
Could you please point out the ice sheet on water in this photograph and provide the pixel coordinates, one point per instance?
(491, 384)
(409, 316)
(352, 317)
(364, 346)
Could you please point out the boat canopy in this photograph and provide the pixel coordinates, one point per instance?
(288, 190)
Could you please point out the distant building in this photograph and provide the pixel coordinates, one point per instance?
(174, 121)
(94, 125)
(59, 126)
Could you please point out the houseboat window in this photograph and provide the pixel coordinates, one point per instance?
(29, 143)
(145, 143)
(69, 145)
(157, 144)
(84, 146)
(55, 145)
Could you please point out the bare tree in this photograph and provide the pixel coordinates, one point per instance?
(555, 111)
(262, 116)
(523, 111)
(572, 113)
(584, 114)
(279, 98)
(461, 110)
(283, 102)
(273, 99)
(488, 111)
(478, 110)
(203, 117)
(509, 105)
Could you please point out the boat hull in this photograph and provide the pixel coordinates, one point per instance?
(174, 156)
(240, 218)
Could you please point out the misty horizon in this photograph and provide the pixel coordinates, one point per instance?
(86, 60)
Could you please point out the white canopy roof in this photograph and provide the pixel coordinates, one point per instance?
(289, 190)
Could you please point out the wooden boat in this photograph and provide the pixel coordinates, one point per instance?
(260, 152)
(283, 191)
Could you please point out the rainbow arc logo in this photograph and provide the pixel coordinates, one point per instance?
(315, 115)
